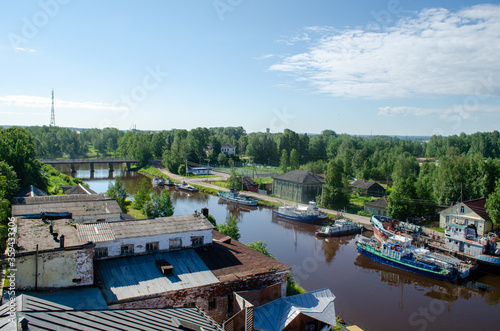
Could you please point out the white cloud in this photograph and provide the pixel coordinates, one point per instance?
(434, 53)
(454, 112)
(25, 49)
(43, 102)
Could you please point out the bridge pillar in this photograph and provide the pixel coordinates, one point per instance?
(128, 166)
(73, 168)
(91, 167)
(110, 167)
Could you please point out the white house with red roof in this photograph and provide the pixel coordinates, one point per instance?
(468, 212)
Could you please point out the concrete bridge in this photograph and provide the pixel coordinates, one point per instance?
(109, 161)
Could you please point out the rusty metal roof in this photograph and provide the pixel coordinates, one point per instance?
(139, 276)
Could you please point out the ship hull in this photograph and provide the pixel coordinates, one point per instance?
(239, 201)
(307, 219)
(338, 234)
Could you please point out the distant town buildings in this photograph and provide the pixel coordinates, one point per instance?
(228, 149)
(368, 188)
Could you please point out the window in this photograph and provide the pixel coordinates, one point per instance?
(462, 209)
(230, 303)
(152, 247)
(476, 224)
(100, 252)
(196, 241)
(127, 249)
(212, 303)
(447, 219)
(175, 243)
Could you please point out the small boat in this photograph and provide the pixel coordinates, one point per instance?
(158, 181)
(234, 196)
(169, 182)
(186, 187)
(341, 227)
(308, 213)
(398, 252)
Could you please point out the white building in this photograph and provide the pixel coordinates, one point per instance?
(228, 149)
(468, 212)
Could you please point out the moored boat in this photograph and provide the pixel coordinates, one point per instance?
(234, 196)
(341, 227)
(158, 181)
(186, 187)
(398, 252)
(308, 213)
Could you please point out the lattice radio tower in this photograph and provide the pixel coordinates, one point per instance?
(52, 113)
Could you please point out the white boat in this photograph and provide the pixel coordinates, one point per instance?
(308, 213)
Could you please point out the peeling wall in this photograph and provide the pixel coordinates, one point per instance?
(55, 269)
(201, 295)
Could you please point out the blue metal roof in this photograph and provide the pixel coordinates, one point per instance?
(277, 314)
(138, 276)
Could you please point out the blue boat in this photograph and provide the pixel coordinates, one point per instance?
(307, 214)
(234, 196)
(398, 252)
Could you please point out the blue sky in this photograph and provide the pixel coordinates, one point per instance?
(396, 67)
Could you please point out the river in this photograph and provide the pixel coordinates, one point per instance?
(368, 294)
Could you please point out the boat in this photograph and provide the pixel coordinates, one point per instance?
(169, 182)
(234, 196)
(158, 181)
(464, 241)
(383, 227)
(341, 227)
(186, 187)
(308, 213)
(398, 252)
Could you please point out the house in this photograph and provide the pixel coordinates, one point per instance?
(468, 212)
(82, 208)
(76, 189)
(377, 207)
(31, 191)
(199, 170)
(307, 311)
(368, 187)
(228, 149)
(36, 311)
(298, 185)
(249, 184)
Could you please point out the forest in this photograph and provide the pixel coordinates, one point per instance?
(420, 174)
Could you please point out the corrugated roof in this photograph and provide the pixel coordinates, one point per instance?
(230, 261)
(301, 177)
(138, 276)
(162, 225)
(95, 232)
(123, 319)
(277, 314)
(381, 203)
(76, 204)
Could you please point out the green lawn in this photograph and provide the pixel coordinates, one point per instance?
(200, 176)
(437, 228)
(263, 180)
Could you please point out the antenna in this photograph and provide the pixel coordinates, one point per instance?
(52, 113)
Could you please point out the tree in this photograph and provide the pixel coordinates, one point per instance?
(142, 194)
(294, 159)
(335, 187)
(118, 192)
(284, 161)
(261, 246)
(8, 181)
(401, 201)
(158, 205)
(212, 220)
(235, 180)
(221, 158)
(493, 205)
(182, 169)
(230, 228)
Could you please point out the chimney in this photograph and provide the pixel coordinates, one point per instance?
(61, 241)
(204, 211)
(24, 324)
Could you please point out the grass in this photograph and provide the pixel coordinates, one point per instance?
(263, 180)
(151, 172)
(358, 200)
(354, 209)
(437, 228)
(200, 176)
(270, 204)
(221, 184)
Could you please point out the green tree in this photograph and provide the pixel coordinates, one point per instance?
(142, 194)
(294, 159)
(118, 192)
(284, 161)
(230, 228)
(222, 158)
(158, 205)
(212, 220)
(493, 205)
(182, 170)
(8, 181)
(234, 180)
(335, 188)
(261, 246)
(401, 201)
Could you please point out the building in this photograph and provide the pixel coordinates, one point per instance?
(31, 191)
(307, 311)
(466, 213)
(298, 185)
(37, 311)
(228, 149)
(51, 255)
(199, 170)
(377, 207)
(249, 184)
(76, 189)
(368, 188)
(81, 208)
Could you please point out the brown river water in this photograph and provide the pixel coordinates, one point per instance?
(368, 294)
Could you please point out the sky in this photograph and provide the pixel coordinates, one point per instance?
(393, 67)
